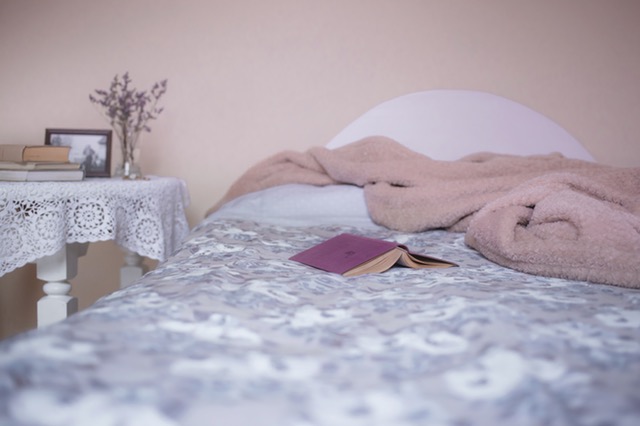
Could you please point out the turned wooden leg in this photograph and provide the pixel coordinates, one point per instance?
(57, 270)
(132, 268)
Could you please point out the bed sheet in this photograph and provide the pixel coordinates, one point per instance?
(228, 331)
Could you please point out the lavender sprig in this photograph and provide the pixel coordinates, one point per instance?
(129, 110)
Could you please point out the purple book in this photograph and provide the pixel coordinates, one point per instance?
(350, 255)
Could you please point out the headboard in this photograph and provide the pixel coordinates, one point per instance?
(449, 124)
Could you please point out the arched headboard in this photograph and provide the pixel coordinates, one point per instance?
(448, 124)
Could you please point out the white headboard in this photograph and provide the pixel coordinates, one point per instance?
(449, 124)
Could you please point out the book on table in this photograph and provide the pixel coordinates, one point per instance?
(21, 153)
(36, 175)
(39, 165)
(351, 255)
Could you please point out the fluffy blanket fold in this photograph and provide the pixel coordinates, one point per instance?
(546, 215)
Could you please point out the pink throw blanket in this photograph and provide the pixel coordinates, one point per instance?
(546, 215)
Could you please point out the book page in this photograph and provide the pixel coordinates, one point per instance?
(413, 260)
(377, 264)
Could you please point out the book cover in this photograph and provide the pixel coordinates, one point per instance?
(13, 152)
(351, 255)
(343, 252)
(41, 175)
(38, 165)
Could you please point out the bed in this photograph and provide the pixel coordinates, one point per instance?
(229, 331)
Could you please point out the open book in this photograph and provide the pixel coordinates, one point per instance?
(351, 255)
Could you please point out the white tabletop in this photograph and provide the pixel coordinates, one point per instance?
(38, 218)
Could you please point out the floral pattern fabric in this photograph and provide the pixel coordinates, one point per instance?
(229, 331)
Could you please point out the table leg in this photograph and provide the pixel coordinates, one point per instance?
(132, 268)
(57, 270)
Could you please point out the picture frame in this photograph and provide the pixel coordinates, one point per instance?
(90, 147)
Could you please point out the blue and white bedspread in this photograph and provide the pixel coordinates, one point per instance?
(229, 332)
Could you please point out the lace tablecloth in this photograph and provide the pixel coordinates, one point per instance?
(144, 216)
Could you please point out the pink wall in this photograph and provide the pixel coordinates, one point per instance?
(248, 78)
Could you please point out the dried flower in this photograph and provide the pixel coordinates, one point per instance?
(129, 110)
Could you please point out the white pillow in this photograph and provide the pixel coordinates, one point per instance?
(300, 205)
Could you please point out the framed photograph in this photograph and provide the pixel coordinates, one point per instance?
(92, 148)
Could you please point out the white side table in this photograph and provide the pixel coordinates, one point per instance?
(51, 224)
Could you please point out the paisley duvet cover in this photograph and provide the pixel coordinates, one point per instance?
(228, 331)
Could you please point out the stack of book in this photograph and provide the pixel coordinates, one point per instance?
(38, 163)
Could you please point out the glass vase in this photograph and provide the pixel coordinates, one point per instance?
(128, 170)
(129, 167)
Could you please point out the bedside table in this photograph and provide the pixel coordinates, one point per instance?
(52, 223)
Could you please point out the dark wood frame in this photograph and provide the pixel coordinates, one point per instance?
(69, 137)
